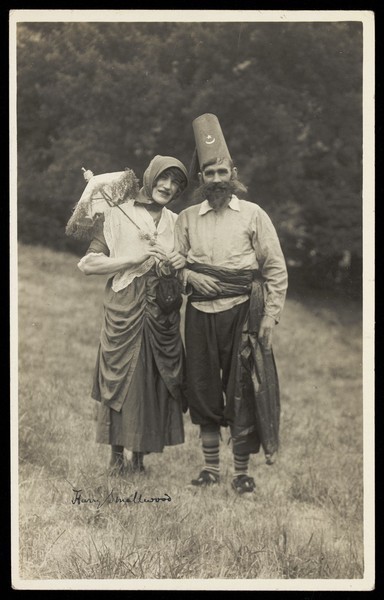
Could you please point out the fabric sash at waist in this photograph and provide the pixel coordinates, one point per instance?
(232, 282)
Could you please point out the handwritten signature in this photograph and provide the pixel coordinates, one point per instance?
(112, 498)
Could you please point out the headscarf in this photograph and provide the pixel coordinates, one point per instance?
(157, 165)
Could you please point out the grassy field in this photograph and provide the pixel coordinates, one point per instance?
(305, 520)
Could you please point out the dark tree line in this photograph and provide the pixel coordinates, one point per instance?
(112, 95)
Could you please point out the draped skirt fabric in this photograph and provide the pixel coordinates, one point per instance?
(139, 373)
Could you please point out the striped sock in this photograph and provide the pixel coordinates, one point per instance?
(240, 462)
(211, 449)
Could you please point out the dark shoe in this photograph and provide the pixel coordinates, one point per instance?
(243, 483)
(136, 464)
(135, 468)
(206, 478)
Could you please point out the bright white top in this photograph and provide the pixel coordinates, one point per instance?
(124, 239)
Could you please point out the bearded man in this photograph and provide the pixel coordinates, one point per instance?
(236, 280)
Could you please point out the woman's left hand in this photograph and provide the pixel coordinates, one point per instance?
(177, 260)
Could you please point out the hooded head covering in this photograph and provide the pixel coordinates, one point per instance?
(157, 165)
(210, 142)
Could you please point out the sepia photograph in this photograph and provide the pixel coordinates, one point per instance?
(192, 312)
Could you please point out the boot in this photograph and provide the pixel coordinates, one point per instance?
(137, 462)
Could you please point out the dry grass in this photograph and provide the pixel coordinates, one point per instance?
(304, 522)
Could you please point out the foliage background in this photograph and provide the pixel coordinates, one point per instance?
(288, 96)
(110, 95)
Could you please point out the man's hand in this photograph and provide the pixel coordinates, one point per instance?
(177, 260)
(265, 332)
(205, 284)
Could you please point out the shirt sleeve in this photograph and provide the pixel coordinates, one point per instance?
(271, 263)
(182, 244)
(98, 245)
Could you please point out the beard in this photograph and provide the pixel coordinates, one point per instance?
(218, 193)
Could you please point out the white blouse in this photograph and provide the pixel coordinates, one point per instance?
(125, 239)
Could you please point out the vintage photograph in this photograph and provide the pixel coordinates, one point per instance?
(192, 400)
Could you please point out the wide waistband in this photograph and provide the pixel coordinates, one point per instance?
(232, 282)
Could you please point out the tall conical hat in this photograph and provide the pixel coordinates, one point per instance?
(209, 139)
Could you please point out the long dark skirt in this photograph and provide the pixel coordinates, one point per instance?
(139, 373)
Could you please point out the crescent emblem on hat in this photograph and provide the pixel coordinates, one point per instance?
(209, 139)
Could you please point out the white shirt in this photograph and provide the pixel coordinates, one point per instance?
(241, 236)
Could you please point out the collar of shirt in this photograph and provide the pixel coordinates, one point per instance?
(233, 204)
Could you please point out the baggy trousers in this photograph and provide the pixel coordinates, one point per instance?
(212, 343)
